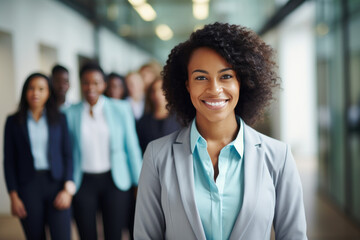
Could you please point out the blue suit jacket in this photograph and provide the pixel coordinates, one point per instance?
(125, 153)
(19, 161)
(166, 207)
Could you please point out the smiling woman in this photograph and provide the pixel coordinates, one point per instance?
(217, 178)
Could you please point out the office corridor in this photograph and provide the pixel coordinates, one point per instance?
(325, 222)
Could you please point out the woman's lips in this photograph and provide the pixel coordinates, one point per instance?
(91, 95)
(34, 99)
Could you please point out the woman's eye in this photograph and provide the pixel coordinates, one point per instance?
(226, 76)
(200, 78)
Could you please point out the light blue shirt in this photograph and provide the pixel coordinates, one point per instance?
(39, 137)
(219, 202)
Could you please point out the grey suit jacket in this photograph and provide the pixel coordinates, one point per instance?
(166, 207)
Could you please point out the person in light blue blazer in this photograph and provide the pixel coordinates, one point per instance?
(218, 178)
(107, 157)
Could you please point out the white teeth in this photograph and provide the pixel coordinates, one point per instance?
(215, 104)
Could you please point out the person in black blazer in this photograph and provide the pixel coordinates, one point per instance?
(38, 162)
(156, 121)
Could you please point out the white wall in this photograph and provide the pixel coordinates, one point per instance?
(119, 55)
(33, 23)
(7, 100)
(36, 22)
(296, 50)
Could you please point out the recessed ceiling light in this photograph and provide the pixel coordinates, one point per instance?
(164, 32)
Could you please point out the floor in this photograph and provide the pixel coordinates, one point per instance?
(325, 222)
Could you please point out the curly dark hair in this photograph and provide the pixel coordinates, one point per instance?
(249, 56)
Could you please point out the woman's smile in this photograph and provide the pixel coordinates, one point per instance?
(215, 104)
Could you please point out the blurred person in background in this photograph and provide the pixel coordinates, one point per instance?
(107, 157)
(218, 178)
(150, 72)
(38, 162)
(61, 84)
(115, 86)
(156, 122)
(136, 89)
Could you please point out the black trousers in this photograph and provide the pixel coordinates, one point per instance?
(98, 192)
(38, 197)
(131, 217)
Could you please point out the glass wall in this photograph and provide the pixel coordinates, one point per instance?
(354, 104)
(338, 72)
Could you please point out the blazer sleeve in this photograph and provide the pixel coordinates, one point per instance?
(149, 216)
(289, 219)
(9, 156)
(132, 146)
(66, 149)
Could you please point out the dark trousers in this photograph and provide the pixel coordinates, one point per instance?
(38, 197)
(131, 217)
(98, 192)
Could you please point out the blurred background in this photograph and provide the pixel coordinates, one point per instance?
(317, 44)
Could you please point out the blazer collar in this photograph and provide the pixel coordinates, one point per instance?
(108, 111)
(25, 131)
(253, 168)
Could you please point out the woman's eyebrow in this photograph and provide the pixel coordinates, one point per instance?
(224, 70)
(199, 70)
(220, 71)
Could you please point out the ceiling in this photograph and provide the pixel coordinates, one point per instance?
(120, 17)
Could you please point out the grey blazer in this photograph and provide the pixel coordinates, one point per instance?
(166, 208)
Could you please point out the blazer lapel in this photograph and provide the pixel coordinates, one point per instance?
(25, 131)
(111, 124)
(78, 119)
(253, 171)
(51, 132)
(185, 174)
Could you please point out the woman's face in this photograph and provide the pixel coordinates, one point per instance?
(148, 76)
(135, 85)
(115, 88)
(37, 93)
(92, 86)
(213, 86)
(157, 95)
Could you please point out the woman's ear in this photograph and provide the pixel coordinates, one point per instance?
(187, 85)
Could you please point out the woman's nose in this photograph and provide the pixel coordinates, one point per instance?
(215, 86)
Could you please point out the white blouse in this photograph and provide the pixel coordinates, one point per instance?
(95, 139)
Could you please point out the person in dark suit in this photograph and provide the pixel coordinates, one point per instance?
(38, 162)
(156, 122)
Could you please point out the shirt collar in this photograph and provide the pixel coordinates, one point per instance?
(238, 143)
(97, 108)
(30, 115)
